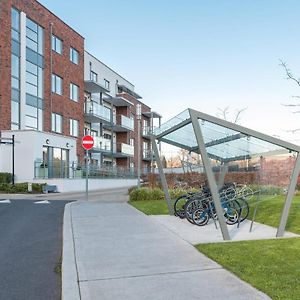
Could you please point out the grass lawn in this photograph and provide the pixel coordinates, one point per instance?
(272, 266)
(268, 211)
(151, 207)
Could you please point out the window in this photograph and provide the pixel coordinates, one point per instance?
(15, 19)
(106, 84)
(74, 91)
(56, 84)
(74, 56)
(34, 36)
(73, 127)
(94, 76)
(56, 125)
(15, 66)
(57, 44)
(131, 142)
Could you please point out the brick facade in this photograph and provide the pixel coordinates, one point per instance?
(125, 137)
(5, 65)
(61, 65)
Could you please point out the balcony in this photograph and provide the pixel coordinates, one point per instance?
(123, 150)
(147, 154)
(95, 113)
(101, 145)
(146, 131)
(93, 87)
(123, 124)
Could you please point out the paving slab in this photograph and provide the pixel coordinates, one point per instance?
(205, 284)
(210, 234)
(121, 253)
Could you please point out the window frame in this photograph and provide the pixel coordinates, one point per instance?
(54, 45)
(55, 117)
(73, 87)
(91, 76)
(72, 128)
(54, 89)
(72, 57)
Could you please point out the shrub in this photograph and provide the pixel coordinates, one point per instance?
(131, 189)
(175, 193)
(5, 177)
(268, 189)
(20, 188)
(144, 194)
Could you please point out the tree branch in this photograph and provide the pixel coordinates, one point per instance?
(238, 114)
(288, 72)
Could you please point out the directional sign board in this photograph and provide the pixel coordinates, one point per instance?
(87, 142)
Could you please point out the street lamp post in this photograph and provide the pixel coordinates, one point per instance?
(139, 116)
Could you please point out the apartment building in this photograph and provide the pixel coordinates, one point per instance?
(112, 115)
(52, 92)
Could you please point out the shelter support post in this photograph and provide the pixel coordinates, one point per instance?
(210, 176)
(289, 198)
(162, 176)
(224, 170)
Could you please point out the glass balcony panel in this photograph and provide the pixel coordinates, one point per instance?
(97, 110)
(101, 143)
(127, 149)
(127, 122)
(147, 153)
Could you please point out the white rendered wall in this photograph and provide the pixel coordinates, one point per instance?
(78, 185)
(22, 69)
(104, 72)
(29, 148)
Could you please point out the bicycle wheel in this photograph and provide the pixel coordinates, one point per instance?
(179, 206)
(190, 207)
(244, 213)
(200, 216)
(232, 212)
(246, 193)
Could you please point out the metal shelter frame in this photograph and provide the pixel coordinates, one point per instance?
(217, 139)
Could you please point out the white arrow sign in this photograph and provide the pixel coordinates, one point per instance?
(7, 201)
(42, 202)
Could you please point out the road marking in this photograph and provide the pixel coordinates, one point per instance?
(42, 202)
(7, 201)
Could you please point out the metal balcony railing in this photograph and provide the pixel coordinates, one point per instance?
(101, 143)
(125, 122)
(94, 109)
(124, 149)
(147, 154)
(43, 170)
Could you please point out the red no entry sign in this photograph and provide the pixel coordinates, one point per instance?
(87, 142)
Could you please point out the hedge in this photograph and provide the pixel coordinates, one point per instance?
(20, 188)
(5, 178)
(144, 194)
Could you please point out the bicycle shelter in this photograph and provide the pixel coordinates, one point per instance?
(219, 140)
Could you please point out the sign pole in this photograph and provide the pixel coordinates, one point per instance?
(87, 176)
(13, 159)
(87, 144)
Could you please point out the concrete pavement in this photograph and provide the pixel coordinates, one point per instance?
(113, 251)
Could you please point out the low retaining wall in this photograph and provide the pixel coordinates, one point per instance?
(78, 185)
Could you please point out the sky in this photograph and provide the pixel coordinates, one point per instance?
(202, 54)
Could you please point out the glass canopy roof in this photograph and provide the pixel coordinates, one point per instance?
(223, 140)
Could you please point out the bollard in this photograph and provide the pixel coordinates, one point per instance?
(29, 187)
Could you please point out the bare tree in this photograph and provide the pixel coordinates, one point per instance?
(290, 76)
(228, 115)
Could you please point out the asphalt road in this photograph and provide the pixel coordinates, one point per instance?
(30, 248)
